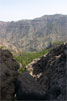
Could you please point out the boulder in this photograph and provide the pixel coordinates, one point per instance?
(8, 74)
(28, 89)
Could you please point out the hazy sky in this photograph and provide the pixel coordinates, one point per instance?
(29, 9)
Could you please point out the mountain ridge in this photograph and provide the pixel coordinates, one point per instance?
(35, 17)
(36, 34)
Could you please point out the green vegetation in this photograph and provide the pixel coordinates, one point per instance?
(1, 47)
(58, 42)
(26, 58)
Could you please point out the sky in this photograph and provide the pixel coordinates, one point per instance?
(13, 10)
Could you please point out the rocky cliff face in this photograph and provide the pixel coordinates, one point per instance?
(51, 72)
(35, 35)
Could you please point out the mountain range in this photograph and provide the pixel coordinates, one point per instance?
(34, 35)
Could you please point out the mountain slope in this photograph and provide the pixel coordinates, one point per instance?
(36, 34)
(6, 45)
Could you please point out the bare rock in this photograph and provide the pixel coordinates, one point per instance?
(27, 88)
(53, 70)
(34, 68)
(8, 74)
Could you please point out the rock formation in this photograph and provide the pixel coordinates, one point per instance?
(8, 74)
(30, 68)
(27, 88)
(53, 70)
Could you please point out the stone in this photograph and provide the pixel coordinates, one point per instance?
(53, 70)
(27, 88)
(8, 74)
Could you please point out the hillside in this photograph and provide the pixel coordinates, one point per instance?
(36, 34)
(6, 45)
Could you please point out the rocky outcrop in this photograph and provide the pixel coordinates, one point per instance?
(35, 68)
(8, 74)
(30, 68)
(53, 70)
(27, 88)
